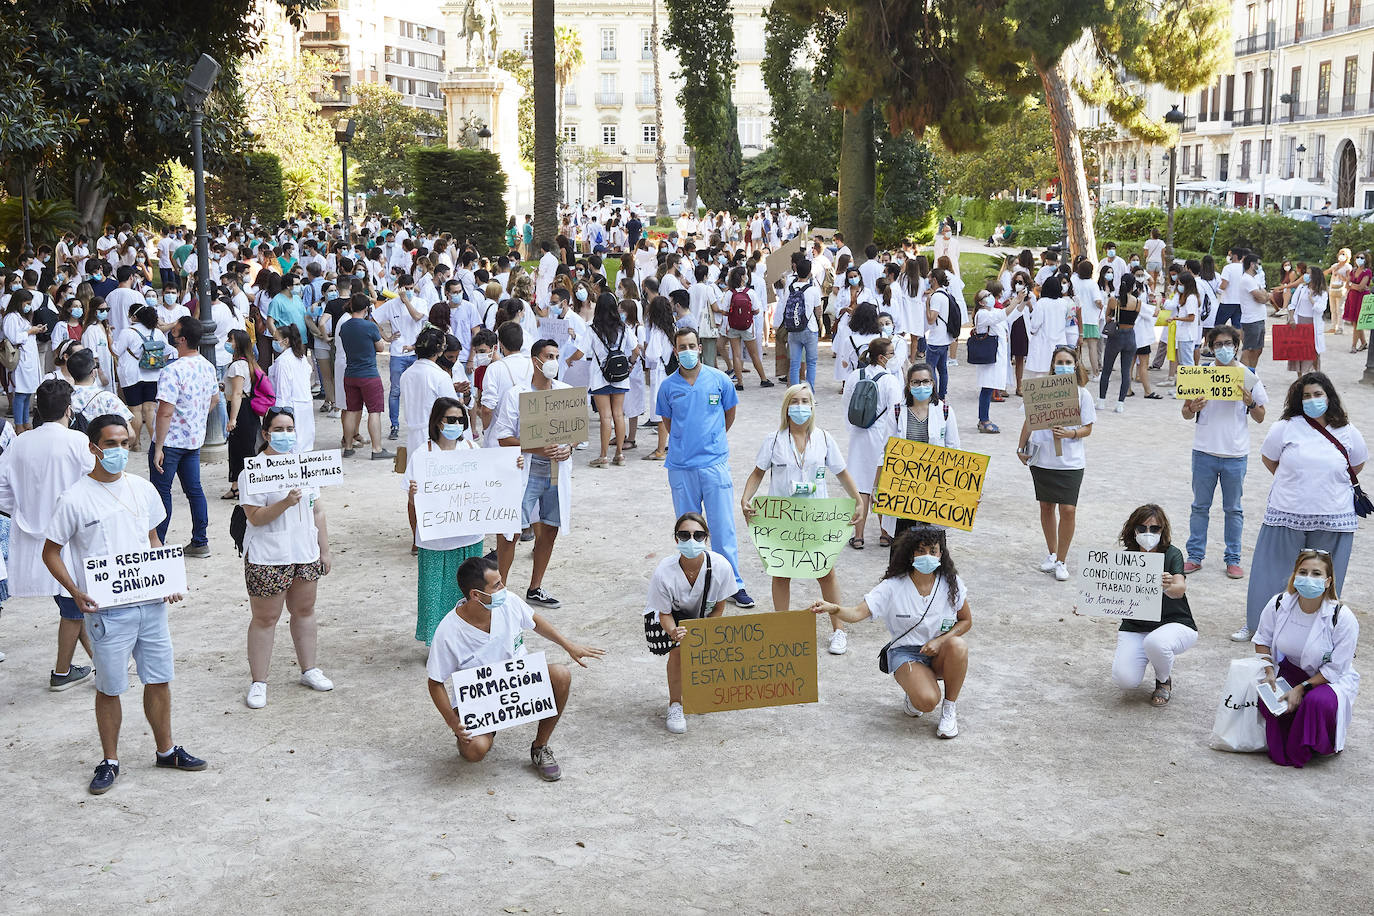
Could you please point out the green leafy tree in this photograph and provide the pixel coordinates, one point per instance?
(1017, 154)
(702, 35)
(284, 119)
(461, 191)
(250, 185)
(761, 179)
(386, 127)
(805, 129)
(907, 191)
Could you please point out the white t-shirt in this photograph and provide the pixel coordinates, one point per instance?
(799, 475)
(1230, 275)
(899, 606)
(1090, 299)
(669, 591)
(118, 302)
(1154, 251)
(1223, 426)
(1311, 487)
(1188, 331)
(423, 383)
(502, 374)
(702, 295)
(937, 331)
(600, 353)
(290, 537)
(811, 296)
(1074, 455)
(128, 349)
(458, 644)
(452, 543)
(98, 519)
(1250, 310)
(405, 326)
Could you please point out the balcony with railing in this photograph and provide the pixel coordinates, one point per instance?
(608, 53)
(1190, 124)
(644, 98)
(1258, 43)
(645, 150)
(324, 37)
(610, 99)
(1323, 111)
(569, 98)
(1248, 117)
(1328, 23)
(334, 97)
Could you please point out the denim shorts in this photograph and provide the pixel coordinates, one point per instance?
(67, 609)
(541, 499)
(136, 630)
(898, 656)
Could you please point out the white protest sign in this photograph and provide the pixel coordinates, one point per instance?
(135, 577)
(1120, 583)
(273, 473)
(467, 491)
(498, 696)
(556, 329)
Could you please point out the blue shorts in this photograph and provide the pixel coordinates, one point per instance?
(898, 656)
(541, 499)
(67, 608)
(138, 631)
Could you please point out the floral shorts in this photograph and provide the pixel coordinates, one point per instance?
(271, 581)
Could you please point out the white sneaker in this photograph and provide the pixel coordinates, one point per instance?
(1061, 572)
(839, 642)
(2, 656)
(1242, 635)
(1049, 564)
(1120, 407)
(677, 722)
(909, 708)
(315, 680)
(949, 724)
(581, 446)
(951, 362)
(257, 695)
(1101, 403)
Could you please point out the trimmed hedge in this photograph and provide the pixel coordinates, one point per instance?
(980, 216)
(1215, 230)
(461, 191)
(248, 186)
(1352, 234)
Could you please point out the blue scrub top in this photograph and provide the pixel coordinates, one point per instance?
(697, 411)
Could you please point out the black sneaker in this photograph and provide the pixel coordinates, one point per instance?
(75, 675)
(105, 775)
(394, 434)
(765, 384)
(542, 598)
(178, 759)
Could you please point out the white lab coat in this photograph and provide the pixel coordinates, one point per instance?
(1330, 650)
(866, 445)
(290, 377)
(38, 467)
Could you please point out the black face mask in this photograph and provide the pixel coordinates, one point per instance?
(443, 362)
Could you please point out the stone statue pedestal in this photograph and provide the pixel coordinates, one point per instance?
(490, 96)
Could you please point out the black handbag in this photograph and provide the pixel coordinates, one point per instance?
(982, 349)
(882, 653)
(660, 643)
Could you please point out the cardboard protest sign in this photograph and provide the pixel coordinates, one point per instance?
(555, 329)
(498, 696)
(1365, 321)
(1120, 583)
(749, 661)
(468, 492)
(1051, 401)
(135, 577)
(1294, 341)
(1215, 383)
(930, 483)
(273, 473)
(558, 416)
(779, 262)
(800, 538)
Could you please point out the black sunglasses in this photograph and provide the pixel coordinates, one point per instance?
(449, 421)
(278, 411)
(684, 536)
(1152, 529)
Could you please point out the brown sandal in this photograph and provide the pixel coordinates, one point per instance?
(1163, 690)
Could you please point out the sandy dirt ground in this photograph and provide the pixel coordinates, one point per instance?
(1061, 794)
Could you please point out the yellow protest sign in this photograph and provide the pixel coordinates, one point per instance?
(930, 483)
(1215, 383)
(749, 661)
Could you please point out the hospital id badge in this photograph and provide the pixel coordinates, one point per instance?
(800, 488)
(713, 400)
(946, 625)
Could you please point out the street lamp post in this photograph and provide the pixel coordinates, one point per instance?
(1176, 118)
(343, 135)
(1302, 148)
(194, 93)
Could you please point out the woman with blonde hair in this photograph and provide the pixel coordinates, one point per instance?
(798, 456)
(1339, 276)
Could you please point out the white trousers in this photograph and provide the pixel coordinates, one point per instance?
(1156, 648)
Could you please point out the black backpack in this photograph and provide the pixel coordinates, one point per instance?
(954, 317)
(238, 527)
(616, 368)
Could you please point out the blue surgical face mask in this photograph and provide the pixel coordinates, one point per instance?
(581, 295)
(169, 298)
(922, 392)
(283, 440)
(691, 549)
(925, 563)
(113, 460)
(555, 310)
(886, 330)
(1111, 252)
(102, 314)
(452, 431)
(27, 307)
(1310, 586)
(498, 599)
(277, 346)
(799, 413)
(455, 298)
(854, 281)
(78, 311)
(229, 347)
(1307, 278)
(1224, 355)
(1061, 369)
(687, 359)
(1314, 407)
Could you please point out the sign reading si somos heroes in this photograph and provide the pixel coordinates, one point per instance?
(749, 661)
(930, 483)
(554, 417)
(800, 538)
(1215, 383)
(270, 473)
(1121, 583)
(494, 697)
(135, 577)
(468, 491)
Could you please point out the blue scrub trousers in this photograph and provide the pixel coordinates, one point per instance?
(709, 491)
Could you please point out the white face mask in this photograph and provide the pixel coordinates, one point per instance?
(550, 368)
(1147, 541)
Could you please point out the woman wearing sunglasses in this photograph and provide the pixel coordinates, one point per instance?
(1155, 642)
(689, 586)
(285, 552)
(1308, 639)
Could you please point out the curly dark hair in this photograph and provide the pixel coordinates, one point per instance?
(904, 548)
(1138, 517)
(1292, 403)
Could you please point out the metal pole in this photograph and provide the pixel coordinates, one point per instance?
(214, 430)
(1173, 169)
(348, 233)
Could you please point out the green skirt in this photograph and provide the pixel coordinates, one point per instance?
(438, 587)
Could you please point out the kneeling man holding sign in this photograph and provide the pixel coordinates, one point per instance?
(480, 678)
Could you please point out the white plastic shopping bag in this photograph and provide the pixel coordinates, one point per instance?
(1238, 725)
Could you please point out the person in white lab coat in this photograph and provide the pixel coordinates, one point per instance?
(866, 444)
(37, 468)
(290, 374)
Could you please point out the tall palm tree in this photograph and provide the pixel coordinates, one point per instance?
(545, 122)
(661, 144)
(567, 60)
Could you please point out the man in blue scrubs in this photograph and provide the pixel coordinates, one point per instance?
(697, 404)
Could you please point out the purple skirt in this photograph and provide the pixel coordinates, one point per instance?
(1294, 737)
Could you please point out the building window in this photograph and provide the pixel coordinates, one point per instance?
(569, 133)
(1223, 166)
(1352, 72)
(1319, 159)
(1245, 159)
(527, 42)
(608, 44)
(608, 135)
(1324, 87)
(1197, 161)
(646, 44)
(1187, 158)
(1266, 152)
(1299, 19)
(1295, 91)
(751, 133)
(650, 133)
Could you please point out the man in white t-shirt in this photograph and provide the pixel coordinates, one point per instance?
(487, 628)
(548, 266)
(1221, 450)
(1254, 311)
(1116, 263)
(1228, 312)
(165, 246)
(1154, 254)
(802, 344)
(512, 370)
(105, 514)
